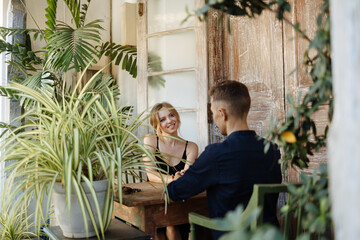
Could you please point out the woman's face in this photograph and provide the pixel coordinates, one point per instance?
(168, 122)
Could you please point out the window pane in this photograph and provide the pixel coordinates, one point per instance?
(168, 14)
(172, 51)
(188, 127)
(179, 89)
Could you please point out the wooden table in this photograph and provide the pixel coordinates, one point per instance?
(146, 209)
(118, 230)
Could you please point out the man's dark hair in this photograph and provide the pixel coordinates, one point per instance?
(235, 94)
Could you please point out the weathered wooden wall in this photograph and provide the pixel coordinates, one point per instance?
(263, 53)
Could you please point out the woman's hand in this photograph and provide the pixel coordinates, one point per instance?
(177, 175)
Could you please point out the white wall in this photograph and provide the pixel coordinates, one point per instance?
(128, 85)
(4, 103)
(343, 147)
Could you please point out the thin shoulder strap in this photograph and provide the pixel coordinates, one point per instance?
(184, 154)
(157, 142)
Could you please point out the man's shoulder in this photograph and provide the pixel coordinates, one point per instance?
(214, 147)
(211, 151)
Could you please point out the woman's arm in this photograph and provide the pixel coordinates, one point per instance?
(191, 154)
(152, 174)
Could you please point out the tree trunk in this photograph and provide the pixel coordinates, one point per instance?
(343, 147)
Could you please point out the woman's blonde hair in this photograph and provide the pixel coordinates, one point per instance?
(154, 116)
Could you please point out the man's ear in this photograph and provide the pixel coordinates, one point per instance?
(223, 113)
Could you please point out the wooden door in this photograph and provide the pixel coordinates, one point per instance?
(262, 53)
(252, 54)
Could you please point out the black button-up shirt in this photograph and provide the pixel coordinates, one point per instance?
(228, 171)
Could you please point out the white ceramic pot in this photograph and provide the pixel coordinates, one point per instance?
(73, 225)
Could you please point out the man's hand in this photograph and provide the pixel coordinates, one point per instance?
(177, 176)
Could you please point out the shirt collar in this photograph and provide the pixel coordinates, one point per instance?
(242, 133)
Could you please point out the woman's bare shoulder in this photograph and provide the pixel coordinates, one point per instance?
(192, 146)
(150, 139)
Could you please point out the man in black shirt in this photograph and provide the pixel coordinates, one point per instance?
(228, 170)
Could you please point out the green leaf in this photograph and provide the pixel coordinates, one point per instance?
(125, 61)
(68, 45)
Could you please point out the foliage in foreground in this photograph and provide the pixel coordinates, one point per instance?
(83, 137)
(308, 203)
(311, 205)
(14, 226)
(240, 226)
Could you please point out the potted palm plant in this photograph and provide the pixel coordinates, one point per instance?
(66, 46)
(64, 146)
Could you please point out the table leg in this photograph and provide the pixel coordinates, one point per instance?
(150, 228)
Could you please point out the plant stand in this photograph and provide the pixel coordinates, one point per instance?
(118, 230)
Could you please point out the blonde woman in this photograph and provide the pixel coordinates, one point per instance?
(177, 153)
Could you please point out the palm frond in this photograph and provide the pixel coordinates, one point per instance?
(5, 92)
(42, 82)
(69, 47)
(22, 55)
(74, 7)
(155, 65)
(102, 85)
(5, 32)
(50, 15)
(125, 55)
(84, 8)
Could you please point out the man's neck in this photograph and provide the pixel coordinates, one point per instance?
(236, 126)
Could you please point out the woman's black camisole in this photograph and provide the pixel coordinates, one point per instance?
(166, 167)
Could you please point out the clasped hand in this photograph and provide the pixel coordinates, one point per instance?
(178, 175)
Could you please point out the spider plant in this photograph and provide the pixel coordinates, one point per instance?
(14, 227)
(83, 137)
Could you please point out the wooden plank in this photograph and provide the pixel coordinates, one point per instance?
(179, 70)
(290, 64)
(177, 212)
(253, 55)
(151, 193)
(132, 215)
(201, 80)
(215, 47)
(305, 12)
(215, 62)
(172, 31)
(142, 61)
(146, 209)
